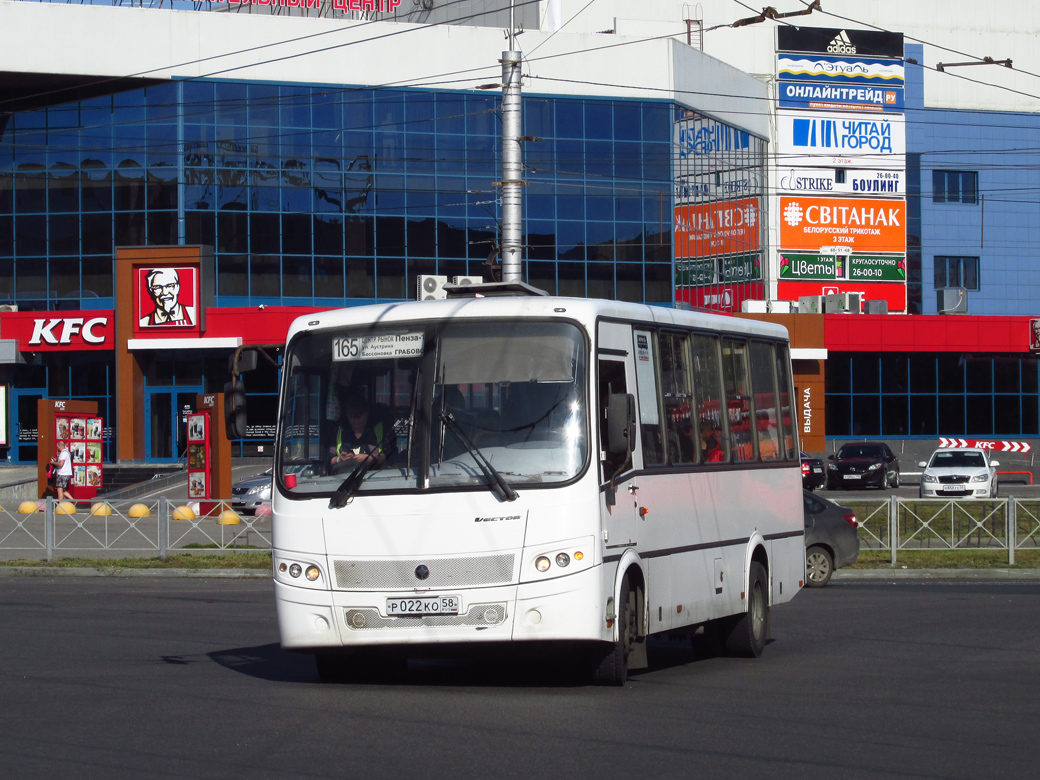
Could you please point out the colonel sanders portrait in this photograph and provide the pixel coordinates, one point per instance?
(164, 287)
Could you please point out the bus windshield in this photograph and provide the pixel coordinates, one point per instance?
(434, 405)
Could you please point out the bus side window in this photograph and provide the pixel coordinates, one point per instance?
(738, 399)
(649, 409)
(678, 399)
(763, 385)
(611, 382)
(788, 415)
(707, 386)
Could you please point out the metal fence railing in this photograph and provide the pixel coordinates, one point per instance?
(896, 524)
(47, 528)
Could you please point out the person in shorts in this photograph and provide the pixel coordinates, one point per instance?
(63, 470)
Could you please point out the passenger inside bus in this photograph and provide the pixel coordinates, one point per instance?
(358, 438)
(711, 450)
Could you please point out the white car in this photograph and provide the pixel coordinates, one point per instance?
(968, 472)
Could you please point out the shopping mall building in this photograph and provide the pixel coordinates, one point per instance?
(179, 182)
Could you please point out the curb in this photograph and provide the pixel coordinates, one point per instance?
(59, 571)
(937, 574)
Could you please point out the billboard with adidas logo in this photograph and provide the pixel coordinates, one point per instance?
(827, 40)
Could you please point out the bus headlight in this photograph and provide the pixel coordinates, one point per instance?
(562, 560)
(294, 570)
(542, 563)
(312, 573)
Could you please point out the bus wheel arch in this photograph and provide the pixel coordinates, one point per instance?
(628, 648)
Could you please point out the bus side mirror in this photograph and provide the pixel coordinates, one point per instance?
(235, 409)
(621, 420)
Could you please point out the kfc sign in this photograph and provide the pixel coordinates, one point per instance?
(166, 301)
(60, 331)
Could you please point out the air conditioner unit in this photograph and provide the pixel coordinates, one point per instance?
(810, 304)
(753, 307)
(8, 307)
(779, 307)
(431, 288)
(875, 307)
(952, 300)
(467, 280)
(842, 303)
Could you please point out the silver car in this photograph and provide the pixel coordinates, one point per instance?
(967, 473)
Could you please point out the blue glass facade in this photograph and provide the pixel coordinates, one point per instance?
(319, 196)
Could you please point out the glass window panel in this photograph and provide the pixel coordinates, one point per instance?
(264, 276)
(789, 415)
(658, 283)
(600, 280)
(570, 122)
(97, 277)
(570, 240)
(162, 228)
(422, 237)
(297, 277)
(923, 415)
(360, 279)
(1029, 375)
(296, 234)
(866, 374)
(233, 275)
(200, 227)
(232, 232)
(626, 121)
(63, 189)
(481, 112)
(598, 120)
(895, 415)
(1007, 415)
(538, 117)
(951, 415)
(866, 415)
(629, 282)
(97, 233)
(542, 276)
(767, 412)
(571, 279)
(951, 373)
(894, 373)
(390, 234)
(707, 389)
(359, 236)
(599, 159)
(451, 238)
(677, 391)
(328, 277)
(978, 375)
(30, 234)
(839, 415)
(6, 192)
(6, 236)
(390, 279)
(1005, 375)
(738, 399)
(63, 234)
(979, 409)
(64, 278)
(31, 276)
(30, 192)
(922, 373)
(1030, 416)
(328, 234)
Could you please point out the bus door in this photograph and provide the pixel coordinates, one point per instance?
(615, 374)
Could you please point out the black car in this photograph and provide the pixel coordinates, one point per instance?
(812, 472)
(863, 464)
(831, 538)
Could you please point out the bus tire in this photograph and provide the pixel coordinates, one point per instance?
(747, 632)
(612, 668)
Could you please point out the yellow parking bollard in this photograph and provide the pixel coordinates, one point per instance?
(183, 513)
(29, 507)
(100, 509)
(140, 510)
(65, 508)
(228, 517)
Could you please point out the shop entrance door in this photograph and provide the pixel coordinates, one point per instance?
(166, 431)
(21, 430)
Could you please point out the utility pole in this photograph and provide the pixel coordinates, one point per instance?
(512, 161)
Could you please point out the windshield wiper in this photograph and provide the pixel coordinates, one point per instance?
(387, 448)
(496, 481)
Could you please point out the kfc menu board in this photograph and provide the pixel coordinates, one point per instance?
(84, 437)
(198, 456)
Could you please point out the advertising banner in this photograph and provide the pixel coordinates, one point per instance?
(801, 94)
(720, 297)
(895, 294)
(841, 70)
(829, 40)
(703, 144)
(726, 227)
(711, 186)
(64, 331)
(167, 301)
(825, 181)
(865, 225)
(875, 268)
(841, 140)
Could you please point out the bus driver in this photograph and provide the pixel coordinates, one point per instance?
(356, 440)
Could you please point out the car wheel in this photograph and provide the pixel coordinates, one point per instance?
(746, 634)
(896, 480)
(996, 490)
(819, 566)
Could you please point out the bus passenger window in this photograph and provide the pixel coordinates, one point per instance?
(611, 382)
(707, 388)
(649, 411)
(738, 399)
(788, 416)
(763, 384)
(678, 398)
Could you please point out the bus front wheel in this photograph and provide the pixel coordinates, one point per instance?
(612, 668)
(747, 633)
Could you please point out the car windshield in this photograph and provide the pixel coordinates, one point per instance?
(958, 460)
(859, 451)
(426, 401)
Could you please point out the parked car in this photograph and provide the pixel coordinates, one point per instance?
(831, 538)
(863, 464)
(250, 494)
(967, 473)
(812, 472)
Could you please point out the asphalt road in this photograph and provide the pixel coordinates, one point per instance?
(141, 678)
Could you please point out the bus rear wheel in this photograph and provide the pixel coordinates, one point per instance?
(747, 633)
(612, 668)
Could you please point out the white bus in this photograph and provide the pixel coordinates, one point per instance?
(549, 470)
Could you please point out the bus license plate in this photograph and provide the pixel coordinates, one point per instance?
(422, 605)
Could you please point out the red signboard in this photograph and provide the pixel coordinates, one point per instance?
(59, 331)
(166, 301)
(720, 297)
(893, 292)
(725, 227)
(986, 444)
